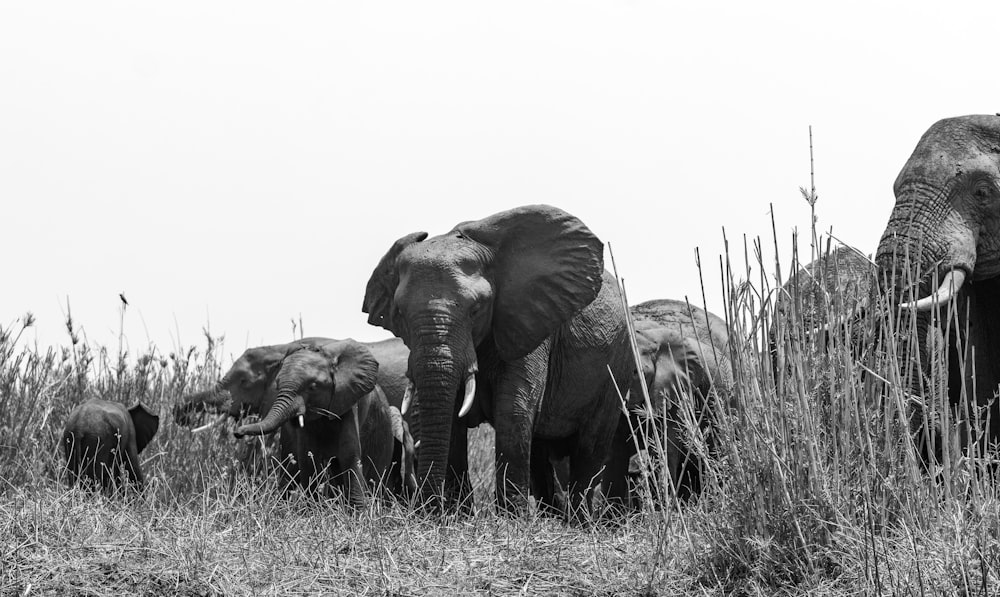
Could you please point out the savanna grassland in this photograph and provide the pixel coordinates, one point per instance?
(811, 487)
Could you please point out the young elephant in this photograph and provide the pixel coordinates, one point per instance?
(335, 421)
(102, 441)
(684, 355)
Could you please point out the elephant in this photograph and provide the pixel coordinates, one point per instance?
(819, 299)
(102, 441)
(938, 263)
(335, 421)
(510, 320)
(684, 357)
(248, 387)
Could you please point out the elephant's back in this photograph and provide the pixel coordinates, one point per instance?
(679, 315)
(837, 281)
(97, 417)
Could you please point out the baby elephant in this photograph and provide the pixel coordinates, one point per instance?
(102, 441)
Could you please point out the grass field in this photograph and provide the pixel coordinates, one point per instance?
(813, 488)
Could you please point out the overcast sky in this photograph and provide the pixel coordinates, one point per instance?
(240, 164)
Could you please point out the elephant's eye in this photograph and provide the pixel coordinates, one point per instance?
(313, 385)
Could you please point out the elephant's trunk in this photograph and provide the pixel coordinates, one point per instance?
(437, 383)
(214, 399)
(287, 405)
(927, 252)
(438, 362)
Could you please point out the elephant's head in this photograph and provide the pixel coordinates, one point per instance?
(502, 284)
(318, 381)
(247, 387)
(242, 390)
(674, 365)
(945, 227)
(946, 221)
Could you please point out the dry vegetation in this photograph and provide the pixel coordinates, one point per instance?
(812, 488)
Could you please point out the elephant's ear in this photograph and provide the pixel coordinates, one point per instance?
(548, 267)
(146, 425)
(696, 361)
(381, 289)
(354, 371)
(648, 351)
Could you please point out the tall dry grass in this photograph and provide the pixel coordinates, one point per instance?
(811, 485)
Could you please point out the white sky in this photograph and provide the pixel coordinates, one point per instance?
(241, 163)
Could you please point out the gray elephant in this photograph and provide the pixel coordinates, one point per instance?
(249, 387)
(510, 320)
(825, 299)
(335, 421)
(684, 354)
(102, 441)
(940, 252)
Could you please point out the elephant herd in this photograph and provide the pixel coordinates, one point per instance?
(513, 321)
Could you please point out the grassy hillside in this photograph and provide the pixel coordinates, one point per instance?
(812, 488)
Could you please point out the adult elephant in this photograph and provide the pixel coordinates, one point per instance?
(102, 441)
(942, 242)
(334, 419)
(248, 386)
(684, 354)
(819, 300)
(510, 320)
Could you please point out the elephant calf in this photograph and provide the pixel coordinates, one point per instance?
(102, 441)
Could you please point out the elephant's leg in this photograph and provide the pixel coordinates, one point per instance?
(984, 336)
(677, 459)
(458, 485)
(379, 450)
(614, 482)
(130, 463)
(543, 482)
(106, 465)
(588, 456)
(518, 393)
(350, 459)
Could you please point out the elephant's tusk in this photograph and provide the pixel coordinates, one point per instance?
(950, 286)
(407, 398)
(470, 394)
(417, 445)
(208, 425)
(302, 421)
